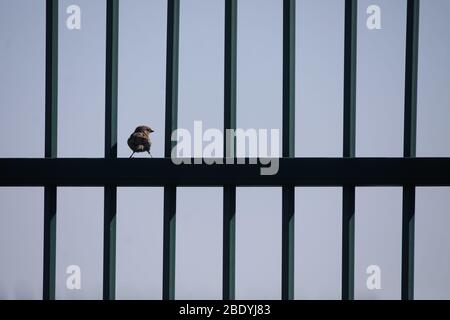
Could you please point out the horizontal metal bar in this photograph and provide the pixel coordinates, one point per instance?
(292, 171)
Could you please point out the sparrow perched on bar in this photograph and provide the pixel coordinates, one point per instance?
(139, 141)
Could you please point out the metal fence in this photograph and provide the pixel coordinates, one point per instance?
(347, 172)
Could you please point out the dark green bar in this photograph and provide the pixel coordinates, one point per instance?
(348, 205)
(170, 209)
(173, 31)
(49, 243)
(288, 201)
(410, 125)
(229, 191)
(289, 78)
(229, 242)
(287, 278)
(351, 7)
(109, 243)
(51, 117)
(348, 243)
(230, 65)
(111, 81)
(110, 191)
(409, 197)
(51, 79)
(411, 67)
(170, 192)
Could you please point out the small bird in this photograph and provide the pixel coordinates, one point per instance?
(139, 141)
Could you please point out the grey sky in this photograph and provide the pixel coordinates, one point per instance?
(319, 76)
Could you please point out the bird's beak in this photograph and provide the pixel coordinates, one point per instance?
(151, 130)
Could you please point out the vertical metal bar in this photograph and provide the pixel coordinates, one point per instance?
(49, 243)
(170, 201)
(173, 31)
(408, 219)
(289, 78)
(229, 191)
(409, 151)
(411, 65)
(51, 109)
(287, 278)
(109, 243)
(112, 57)
(110, 191)
(348, 242)
(51, 79)
(229, 242)
(170, 192)
(348, 201)
(351, 7)
(288, 201)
